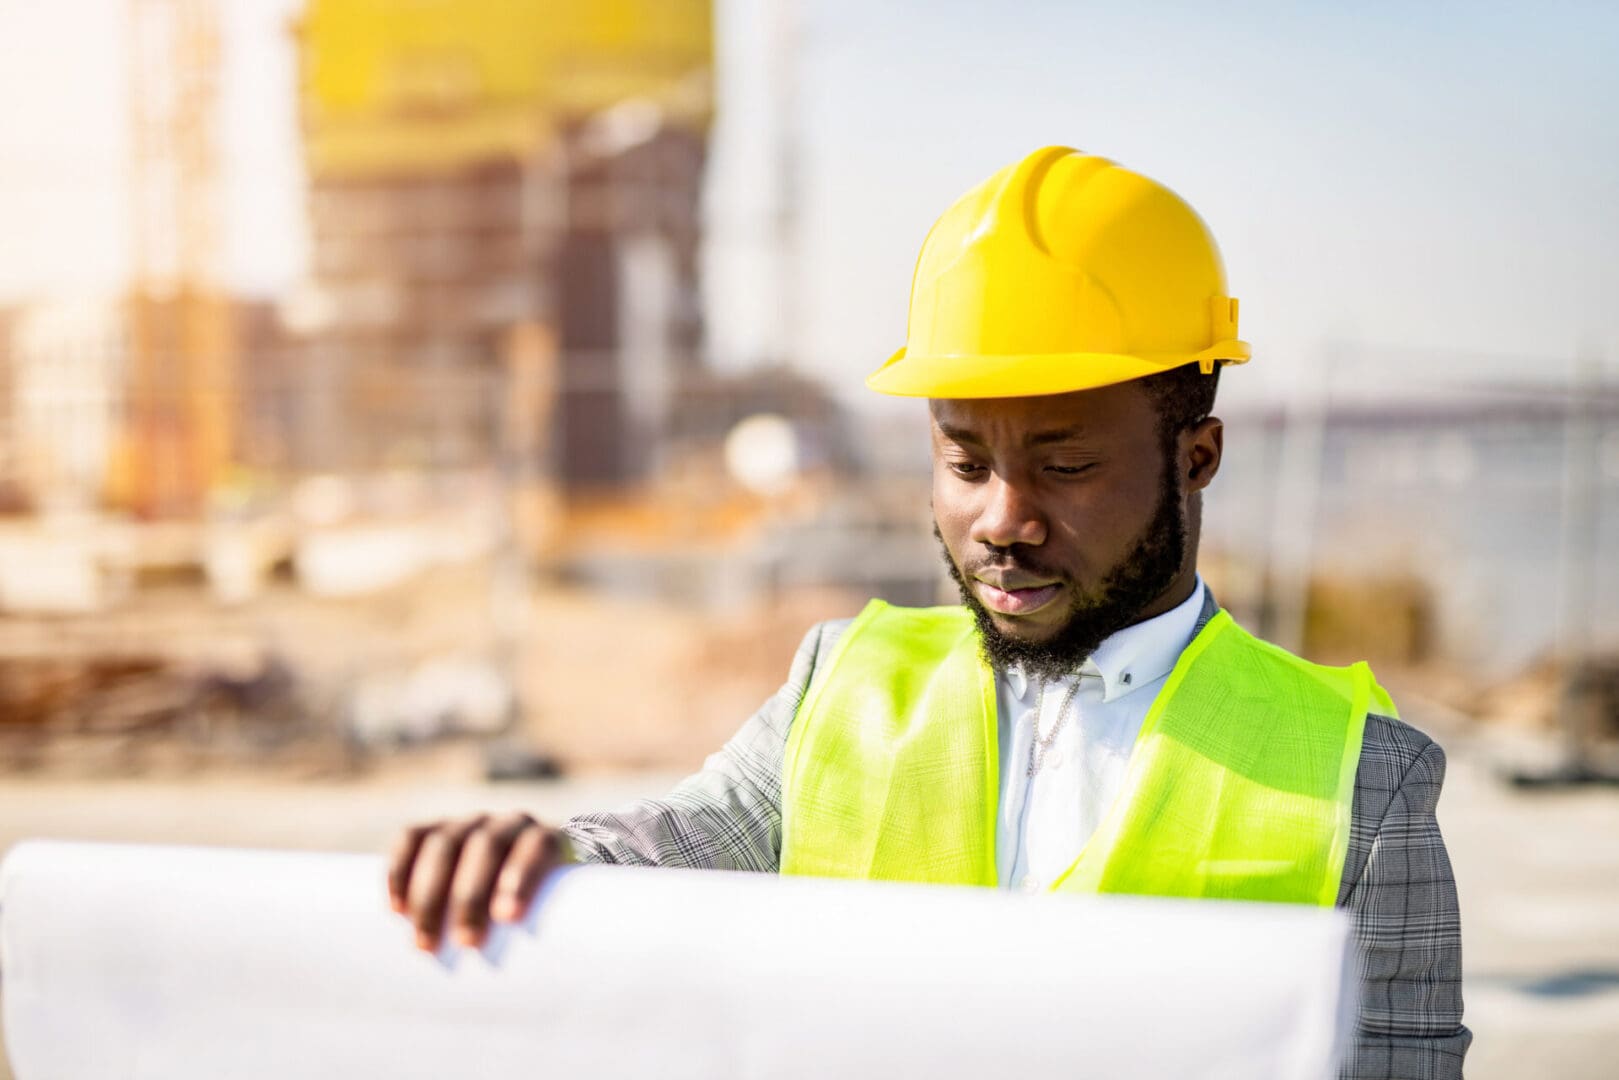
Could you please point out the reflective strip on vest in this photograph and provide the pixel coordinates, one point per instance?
(1240, 785)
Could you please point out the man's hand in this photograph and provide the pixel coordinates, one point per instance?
(469, 873)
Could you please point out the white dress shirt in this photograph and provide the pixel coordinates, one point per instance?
(1044, 822)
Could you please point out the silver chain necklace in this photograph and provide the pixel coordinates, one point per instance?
(1042, 743)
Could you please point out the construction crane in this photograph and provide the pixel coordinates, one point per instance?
(177, 431)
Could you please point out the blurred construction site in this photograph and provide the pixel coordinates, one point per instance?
(476, 454)
(402, 520)
(322, 523)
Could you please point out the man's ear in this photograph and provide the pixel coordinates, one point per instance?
(1201, 450)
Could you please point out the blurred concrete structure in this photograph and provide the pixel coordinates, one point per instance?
(486, 174)
(78, 409)
(268, 388)
(67, 367)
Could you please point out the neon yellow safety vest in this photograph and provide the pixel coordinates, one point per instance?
(1240, 784)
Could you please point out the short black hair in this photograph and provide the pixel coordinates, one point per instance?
(1183, 396)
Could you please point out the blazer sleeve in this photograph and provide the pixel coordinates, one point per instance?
(727, 816)
(1402, 897)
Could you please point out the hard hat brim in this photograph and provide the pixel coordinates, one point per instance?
(1033, 375)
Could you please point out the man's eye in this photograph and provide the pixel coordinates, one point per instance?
(1069, 470)
(964, 468)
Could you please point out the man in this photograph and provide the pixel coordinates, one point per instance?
(1088, 720)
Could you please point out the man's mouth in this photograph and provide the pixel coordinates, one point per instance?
(1016, 601)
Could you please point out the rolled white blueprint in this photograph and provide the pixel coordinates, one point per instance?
(193, 964)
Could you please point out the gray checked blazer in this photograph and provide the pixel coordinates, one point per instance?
(1397, 882)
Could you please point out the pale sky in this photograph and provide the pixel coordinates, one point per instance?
(1437, 176)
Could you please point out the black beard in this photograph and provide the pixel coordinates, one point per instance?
(1142, 577)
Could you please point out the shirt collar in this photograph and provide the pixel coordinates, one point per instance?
(1137, 655)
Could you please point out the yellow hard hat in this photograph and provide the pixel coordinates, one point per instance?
(1062, 272)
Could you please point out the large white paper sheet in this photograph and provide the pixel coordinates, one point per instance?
(153, 963)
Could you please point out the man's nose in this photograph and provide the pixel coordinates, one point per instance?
(1009, 516)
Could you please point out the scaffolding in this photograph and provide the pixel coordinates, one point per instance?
(176, 439)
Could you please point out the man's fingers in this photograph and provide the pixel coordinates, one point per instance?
(460, 875)
(429, 890)
(400, 861)
(482, 857)
(536, 851)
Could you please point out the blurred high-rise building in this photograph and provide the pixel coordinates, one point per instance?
(503, 199)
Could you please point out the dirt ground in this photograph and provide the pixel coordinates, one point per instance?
(105, 696)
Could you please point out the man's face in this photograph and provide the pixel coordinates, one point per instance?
(1061, 517)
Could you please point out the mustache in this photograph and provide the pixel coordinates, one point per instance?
(1013, 559)
(1007, 558)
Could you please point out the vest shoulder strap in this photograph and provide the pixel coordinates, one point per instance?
(903, 695)
(1242, 780)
